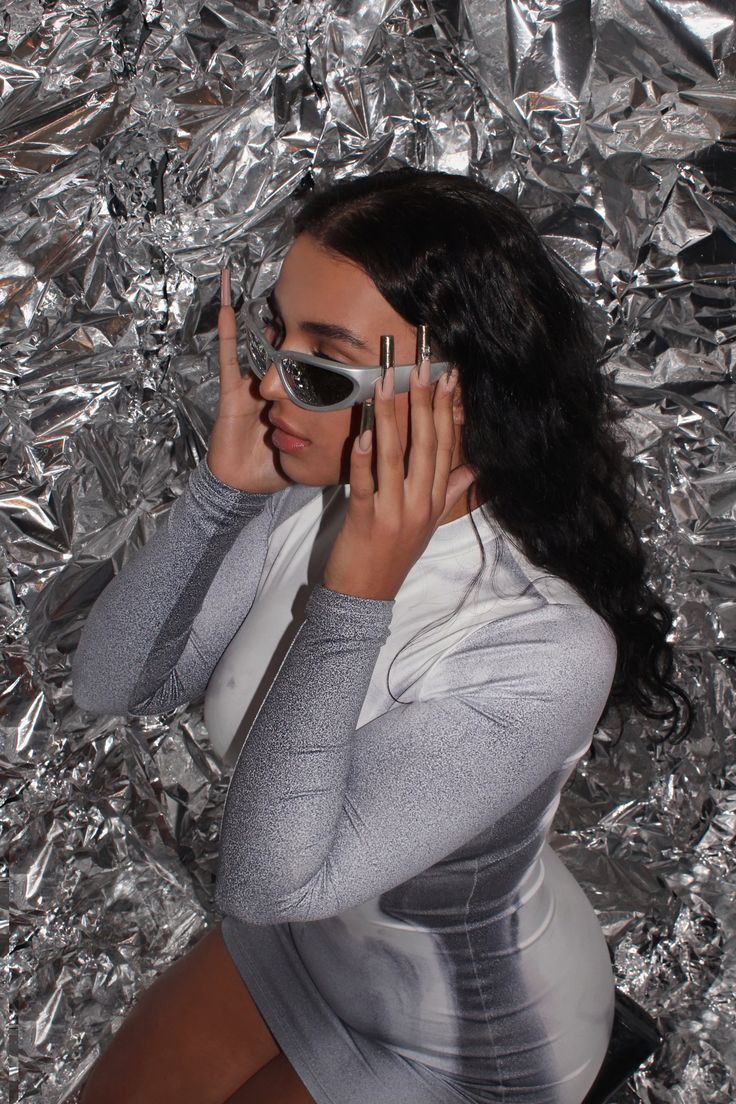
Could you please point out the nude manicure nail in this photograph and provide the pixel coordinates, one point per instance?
(424, 372)
(225, 300)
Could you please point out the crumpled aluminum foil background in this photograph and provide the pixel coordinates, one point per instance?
(144, 143)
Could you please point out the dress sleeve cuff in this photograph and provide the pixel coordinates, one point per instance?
(210, 492)
(348, 615)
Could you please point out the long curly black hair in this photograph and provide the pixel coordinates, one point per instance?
(542, 421)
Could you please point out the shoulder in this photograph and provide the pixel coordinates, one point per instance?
(544, 673)
(554, 656)
(552, 620)
(559, 636)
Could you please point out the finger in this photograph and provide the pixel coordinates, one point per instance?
(227, 339)
(390, 455)
(458, 483)
(362, 486)
(445, 430)
(422, 458)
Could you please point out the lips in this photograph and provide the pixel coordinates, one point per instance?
(286, 428)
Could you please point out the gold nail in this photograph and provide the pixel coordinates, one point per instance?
(368, 416)
(387, 354)
(422, 343)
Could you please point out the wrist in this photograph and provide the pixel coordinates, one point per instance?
(381, 591)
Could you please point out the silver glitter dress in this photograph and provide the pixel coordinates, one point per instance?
(389, 895)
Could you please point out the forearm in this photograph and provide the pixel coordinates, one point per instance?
(322, 817)
(288, 789)
(139, 624)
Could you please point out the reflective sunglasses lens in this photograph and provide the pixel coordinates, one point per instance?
(257, 352)
(316, 386)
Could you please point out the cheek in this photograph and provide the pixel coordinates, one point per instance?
(331, 435)
(331, 431)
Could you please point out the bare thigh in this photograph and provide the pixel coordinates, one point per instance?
(193, 1036)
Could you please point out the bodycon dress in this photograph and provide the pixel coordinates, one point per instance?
(388, 891)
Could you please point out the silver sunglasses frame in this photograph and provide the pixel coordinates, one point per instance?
(362, 378)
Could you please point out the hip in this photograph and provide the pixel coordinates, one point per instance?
(521, 1003)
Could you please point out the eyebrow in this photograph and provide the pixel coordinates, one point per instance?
(322, 329)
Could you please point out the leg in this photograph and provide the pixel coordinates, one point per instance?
(276, 1083)
(192, 1037)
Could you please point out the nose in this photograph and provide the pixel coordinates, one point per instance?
(270, 386)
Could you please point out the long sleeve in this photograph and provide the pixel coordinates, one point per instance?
(155, 633)
(321, 816)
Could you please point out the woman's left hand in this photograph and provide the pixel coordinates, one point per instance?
(385, 531)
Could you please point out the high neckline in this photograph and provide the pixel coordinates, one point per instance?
(461, 531)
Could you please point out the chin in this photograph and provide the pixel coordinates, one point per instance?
(295, 468)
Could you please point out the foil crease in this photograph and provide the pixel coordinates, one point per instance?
(142, 145)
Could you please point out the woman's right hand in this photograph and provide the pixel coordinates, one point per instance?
(238, 453)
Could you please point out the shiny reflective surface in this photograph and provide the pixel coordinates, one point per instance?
(136, 159)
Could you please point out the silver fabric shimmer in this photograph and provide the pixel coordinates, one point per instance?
(407, 853)
(143, 144)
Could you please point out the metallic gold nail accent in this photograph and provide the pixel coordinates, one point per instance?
(387, 354)
(367, 417)
(422, 343)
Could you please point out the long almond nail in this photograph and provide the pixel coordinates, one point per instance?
(424, 372)
(225, 300)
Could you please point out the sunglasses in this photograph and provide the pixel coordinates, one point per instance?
(313, 382)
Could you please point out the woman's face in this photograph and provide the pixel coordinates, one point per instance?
(316, 286)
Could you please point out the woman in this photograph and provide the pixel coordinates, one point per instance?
(396, 930)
